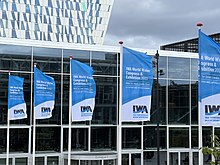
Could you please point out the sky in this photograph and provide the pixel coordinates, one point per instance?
(152, 23)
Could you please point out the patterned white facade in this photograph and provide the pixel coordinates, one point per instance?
(72, 21)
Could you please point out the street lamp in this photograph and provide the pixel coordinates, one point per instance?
(158, 107)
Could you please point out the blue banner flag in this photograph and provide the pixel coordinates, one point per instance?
(137, 79)
(209, 80)
(16, 104)
(83, 91)
(44, 95)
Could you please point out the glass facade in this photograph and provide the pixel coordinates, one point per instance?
(95, 142)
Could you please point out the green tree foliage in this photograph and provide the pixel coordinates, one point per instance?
(213, 150)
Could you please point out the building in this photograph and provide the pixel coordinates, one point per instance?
(78, 21)
(95, 142)
(47, 33)
(188, 45)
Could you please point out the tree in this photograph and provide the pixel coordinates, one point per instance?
(213, 150)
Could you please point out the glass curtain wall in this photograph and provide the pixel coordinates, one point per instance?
(52, 133)
(178, 95)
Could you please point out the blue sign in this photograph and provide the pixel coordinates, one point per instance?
(44, 95)
(83, 91)
(137, 79)
(16, 103)
(209, 80)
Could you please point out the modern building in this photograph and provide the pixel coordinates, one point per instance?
(190, 45)
(95, 142)
(71, 21)
(47, 33)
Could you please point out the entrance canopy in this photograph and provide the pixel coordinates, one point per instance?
(93, 156)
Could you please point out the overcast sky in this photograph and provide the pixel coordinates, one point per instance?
(152, 23)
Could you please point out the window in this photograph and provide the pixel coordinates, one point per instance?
(79, 139)
(48, 139)
(178, 102)
(150, 137)
(179, 137)
(103, 138)
(131, 138)
(178, 68)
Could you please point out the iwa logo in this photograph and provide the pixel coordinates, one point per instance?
(212, 108)
(45, 109)
(140, 109)
(86, 109)
(18, 111)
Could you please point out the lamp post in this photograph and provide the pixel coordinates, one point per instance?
(158, 114)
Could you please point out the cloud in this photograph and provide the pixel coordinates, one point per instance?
(152, 23)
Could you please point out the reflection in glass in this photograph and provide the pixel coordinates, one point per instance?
(104, 63)
(150, 158)
(162, 66)
(90, 162)
(207, 159)
(194, 136)
(194, 102)
(52, 160)
(178, 102)
(3, 97)
(105, 103)
(21, 161)
(65, 104)
(173, 159)
(15, 58)
(195, 158)
(19, 140)
(150, 137)
(131, 138)
(104, 114)
(162, 102)
(194, 69)
(3, 161)
(47, 52)
(48, 139)
(39, 161)
(103, 138)
(79, 55)
(15, 49)
(75, 162)
(135, 159)
(47, 59)
(3, 141)
(125, 159)
(109, 162)
(178, 68)
(179, 137)
(217, 133)
(206, 132)
(79, 139)
(184, 158)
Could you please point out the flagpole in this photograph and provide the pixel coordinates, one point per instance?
(8, 123)
(70, 116)
(34, 129)
(119, 140)
(199, 25)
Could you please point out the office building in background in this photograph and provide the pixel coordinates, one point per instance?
(190, 45)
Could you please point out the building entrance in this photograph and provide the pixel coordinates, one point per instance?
(92, 159)
(179, 158)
